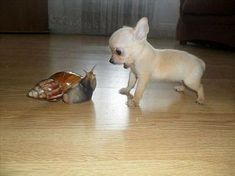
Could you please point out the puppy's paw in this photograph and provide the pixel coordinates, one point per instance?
(129, 96)
(124, 91)
(132, 103)
(179, 88)
(200, 101)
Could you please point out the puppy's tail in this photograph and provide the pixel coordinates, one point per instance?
(203, 65)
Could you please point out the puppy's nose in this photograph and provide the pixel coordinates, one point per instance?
(111, 61)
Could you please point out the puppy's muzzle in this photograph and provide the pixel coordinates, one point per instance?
(111, 61)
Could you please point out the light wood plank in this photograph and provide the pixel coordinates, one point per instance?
(168, 135)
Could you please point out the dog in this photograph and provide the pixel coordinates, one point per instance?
(129, 46)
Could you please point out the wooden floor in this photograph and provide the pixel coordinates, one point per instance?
(169, 135)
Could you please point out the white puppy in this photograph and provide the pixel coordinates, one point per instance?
(130, 47)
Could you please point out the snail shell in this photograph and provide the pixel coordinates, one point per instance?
(53, 88)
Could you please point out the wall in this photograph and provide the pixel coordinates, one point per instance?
(102, 17)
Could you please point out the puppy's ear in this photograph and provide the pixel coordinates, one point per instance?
(141, 29)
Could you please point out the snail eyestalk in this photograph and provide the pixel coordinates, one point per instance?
(93, 68)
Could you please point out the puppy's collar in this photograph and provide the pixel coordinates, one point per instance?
(125, 66)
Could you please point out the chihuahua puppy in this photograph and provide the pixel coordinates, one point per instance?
(130, 47)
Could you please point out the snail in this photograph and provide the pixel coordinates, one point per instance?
(68, 86)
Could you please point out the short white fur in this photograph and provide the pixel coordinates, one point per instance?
(146, 62)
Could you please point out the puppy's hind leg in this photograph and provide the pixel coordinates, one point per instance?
(200, 95)
(198, 87)
(180, 88)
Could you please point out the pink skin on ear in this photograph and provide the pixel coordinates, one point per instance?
(142, 29)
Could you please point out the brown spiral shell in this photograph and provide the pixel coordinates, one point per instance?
(53, 88)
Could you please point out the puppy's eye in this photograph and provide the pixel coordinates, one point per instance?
(118, 51)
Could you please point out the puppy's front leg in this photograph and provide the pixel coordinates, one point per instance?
(131, 84)
(142, 82)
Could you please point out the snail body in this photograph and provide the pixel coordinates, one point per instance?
(69, 86)
(82, 91)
